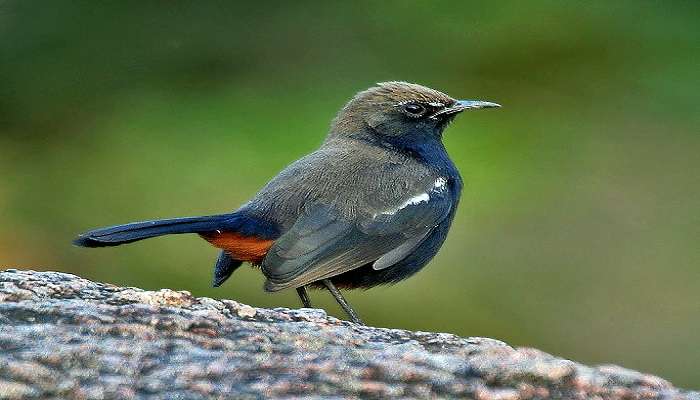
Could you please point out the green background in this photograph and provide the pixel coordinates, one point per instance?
(579, 225)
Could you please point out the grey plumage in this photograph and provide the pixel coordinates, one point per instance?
(371, 206)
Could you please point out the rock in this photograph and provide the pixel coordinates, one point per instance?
(64, 337)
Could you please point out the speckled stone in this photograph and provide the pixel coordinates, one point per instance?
(64, 337)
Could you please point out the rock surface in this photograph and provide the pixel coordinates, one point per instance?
(64, 337)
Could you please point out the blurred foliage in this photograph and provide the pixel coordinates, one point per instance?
(578, 228)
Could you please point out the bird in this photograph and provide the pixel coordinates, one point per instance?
(371, 206)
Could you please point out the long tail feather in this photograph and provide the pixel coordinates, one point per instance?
(122, 234)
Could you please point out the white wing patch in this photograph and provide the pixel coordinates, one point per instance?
(421, 198)
(439, 184)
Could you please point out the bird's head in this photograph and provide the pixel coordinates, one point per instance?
(398, 112)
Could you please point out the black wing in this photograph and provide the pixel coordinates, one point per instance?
(323, 243)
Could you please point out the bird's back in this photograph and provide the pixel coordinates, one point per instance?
(353, 177)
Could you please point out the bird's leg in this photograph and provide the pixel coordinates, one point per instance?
(341, 300)
(305, 300)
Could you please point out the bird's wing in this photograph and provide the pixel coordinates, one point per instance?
(323, 243)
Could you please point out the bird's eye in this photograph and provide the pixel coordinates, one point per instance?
(414, 109)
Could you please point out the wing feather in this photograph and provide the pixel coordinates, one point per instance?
(323, 243)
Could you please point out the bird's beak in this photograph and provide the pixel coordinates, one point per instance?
(467, 104)
(462, 105)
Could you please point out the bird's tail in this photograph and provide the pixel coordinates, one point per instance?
(121, 234)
